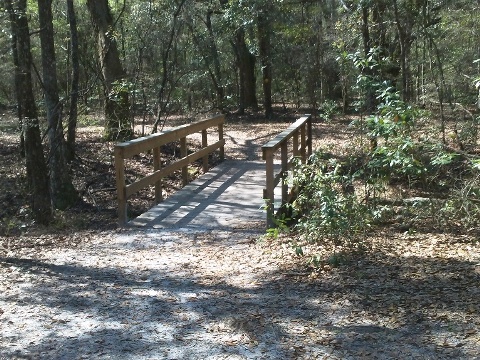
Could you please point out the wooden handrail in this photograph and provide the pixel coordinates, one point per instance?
(128, 149)
(301, 134)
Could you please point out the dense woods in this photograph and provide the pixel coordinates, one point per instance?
(142, 61)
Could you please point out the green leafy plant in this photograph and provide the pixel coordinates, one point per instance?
(329, 208)
(400, 158)
(280, 225)
(9, 225)
(393, 116)
(394, 152)
(327, 110)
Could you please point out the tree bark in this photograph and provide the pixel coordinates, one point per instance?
(367, 46)
(405, 44)
(37, 173)
(246, 69)
(74, 88)
(162, 99)
(117, 107)
(264, 44)
(216, 74)
(62, 190)
(16, 64)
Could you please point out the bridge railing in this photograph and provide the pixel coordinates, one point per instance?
(294, 143)
(153, 143)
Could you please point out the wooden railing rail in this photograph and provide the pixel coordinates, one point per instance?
(300, 133)
(153, 142)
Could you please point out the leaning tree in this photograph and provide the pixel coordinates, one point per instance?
(117, 107)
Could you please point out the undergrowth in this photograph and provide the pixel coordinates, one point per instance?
(395, 176)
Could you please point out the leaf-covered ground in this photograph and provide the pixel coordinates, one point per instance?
(84, 289)
(219, 295)
(419, 290)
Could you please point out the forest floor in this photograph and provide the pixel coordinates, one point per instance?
(86, 289)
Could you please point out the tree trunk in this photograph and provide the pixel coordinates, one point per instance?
(367, 46)
(209, 52)
(439, 84)
(246, 69)
(264, 44)
(13, 43)
(37, 173)
(405, 44)
(216, 75)
(117, 107)
(73, 109)
(61, 188)
(162, 99)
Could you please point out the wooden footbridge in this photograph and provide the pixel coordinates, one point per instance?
(233, 194)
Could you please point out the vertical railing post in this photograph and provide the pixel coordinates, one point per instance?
(156, 166)
(183, 153)
(269, 192)
(296, 154)
(310, 136)
(204, 145)
(121, 188)
(220, 138)
(284, 155)
(303, 144)
(296, 150)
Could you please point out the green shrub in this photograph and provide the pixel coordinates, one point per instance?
(327, 205)
(339, 202)
(327, 110)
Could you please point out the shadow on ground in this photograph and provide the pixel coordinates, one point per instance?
(378, 307)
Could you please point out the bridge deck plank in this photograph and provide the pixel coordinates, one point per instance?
(229, 196)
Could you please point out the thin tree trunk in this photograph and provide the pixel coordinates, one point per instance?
(61, 188)
(117, 106)
(264, 35)
(216, 75)
(209, 52)
(166, 70)
(367, 46)
(37, 172)
(440, 85)
(9, 8)
(73, 110)
(246, 69)
(403, 53)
